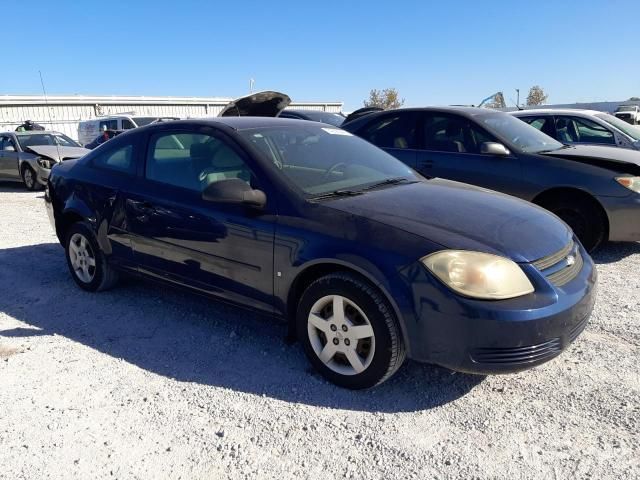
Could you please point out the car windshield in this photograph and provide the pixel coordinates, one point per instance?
(518, 133)
(633, 132)
(321, 160)
(36, 139)
(626, 108)
(142, 121)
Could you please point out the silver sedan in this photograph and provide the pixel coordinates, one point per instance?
(27, 157)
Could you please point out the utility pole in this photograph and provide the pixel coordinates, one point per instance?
(518, 98)
(251, 82)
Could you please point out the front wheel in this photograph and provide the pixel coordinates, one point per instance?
(349, 331)
(29, 178)
(585, 220)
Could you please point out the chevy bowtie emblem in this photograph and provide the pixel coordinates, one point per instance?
(571, 260)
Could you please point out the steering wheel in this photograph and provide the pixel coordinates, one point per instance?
(333, 168)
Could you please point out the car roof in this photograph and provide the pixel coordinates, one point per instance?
(239, 123)
(556, 111)
(33, 132)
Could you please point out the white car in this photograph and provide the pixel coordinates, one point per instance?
(572, 126)
(88, 130)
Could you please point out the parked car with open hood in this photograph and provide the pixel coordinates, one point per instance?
(588, 127)
(28, 156)
(595, 189)
(366, 260)
(260, 104)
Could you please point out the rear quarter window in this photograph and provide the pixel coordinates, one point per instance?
(119, 159)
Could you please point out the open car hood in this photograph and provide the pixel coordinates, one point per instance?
(261, 104)
(57, 153)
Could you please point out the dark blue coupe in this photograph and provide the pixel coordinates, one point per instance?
(368, 261)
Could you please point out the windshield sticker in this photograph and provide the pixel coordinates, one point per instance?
(337, 131)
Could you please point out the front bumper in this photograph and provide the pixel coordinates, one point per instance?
(42, 174)
(488, 337)
(48, 205)
(624, 217)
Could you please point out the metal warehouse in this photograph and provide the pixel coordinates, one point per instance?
(63, 113)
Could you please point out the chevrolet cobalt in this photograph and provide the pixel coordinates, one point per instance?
(367, 261)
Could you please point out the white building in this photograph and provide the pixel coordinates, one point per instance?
(62, 113)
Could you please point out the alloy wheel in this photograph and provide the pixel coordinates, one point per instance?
(29, 181)
(341, 335)
(83, 260)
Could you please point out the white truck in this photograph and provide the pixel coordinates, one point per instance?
(88, 130)
(629, 113)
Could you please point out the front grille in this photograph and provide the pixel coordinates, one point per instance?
(518, 355)
(561, 267)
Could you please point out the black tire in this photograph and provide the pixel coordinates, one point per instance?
(585, 219)
(103, 275)
(29, 178)
(389, 352)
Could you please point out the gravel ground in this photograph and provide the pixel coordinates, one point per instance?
(147, 382)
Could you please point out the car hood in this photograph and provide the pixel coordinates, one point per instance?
(621, 160)
(261, 104)
(460, 216)
(57, 153)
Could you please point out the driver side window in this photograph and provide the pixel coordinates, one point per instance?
(449, 133)
(192, 160)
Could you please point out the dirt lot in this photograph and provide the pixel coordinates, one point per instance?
(147, 382)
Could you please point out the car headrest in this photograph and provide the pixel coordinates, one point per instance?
(227, 158)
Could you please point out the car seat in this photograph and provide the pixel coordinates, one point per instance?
(214, 162)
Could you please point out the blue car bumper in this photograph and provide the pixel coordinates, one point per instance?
(488, 337)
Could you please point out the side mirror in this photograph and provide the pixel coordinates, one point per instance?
(234, 191)
(494, 148)
(9, 148)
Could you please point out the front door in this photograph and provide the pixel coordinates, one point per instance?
(395, 133)
(8, 159)
(222, 249)
(451, 150)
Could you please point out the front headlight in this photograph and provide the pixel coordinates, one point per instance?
(479, 275)
(632, 183)
(44, 163)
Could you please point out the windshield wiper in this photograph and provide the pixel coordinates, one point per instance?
(388, 181)
(337, 193)
(563, 147)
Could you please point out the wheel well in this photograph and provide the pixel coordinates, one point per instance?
(306, 278)
(549, 196)
(64, 222)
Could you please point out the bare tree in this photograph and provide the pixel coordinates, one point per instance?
(385, 99)
(536, 96)
(634, 99)
(496, 102)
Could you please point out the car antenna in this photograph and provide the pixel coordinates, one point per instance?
(46, 102)
(516, 104)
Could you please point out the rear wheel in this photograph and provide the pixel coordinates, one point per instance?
(585, 219)
(87, 264)
(29, 178)
(349, 331)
